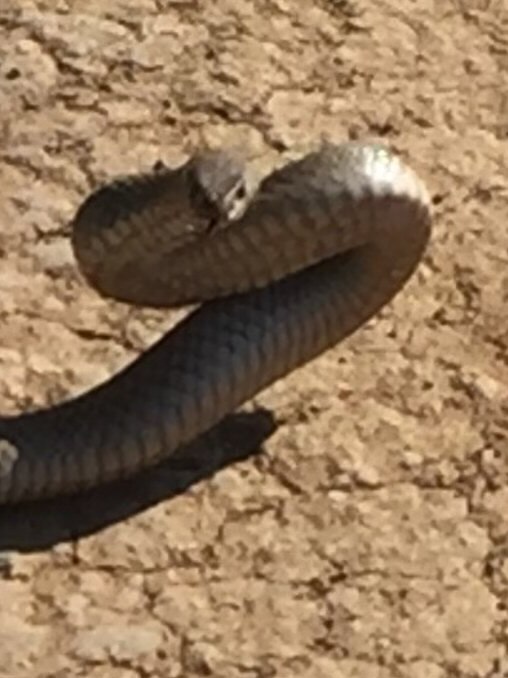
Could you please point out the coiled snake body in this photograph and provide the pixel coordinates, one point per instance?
(321, 245)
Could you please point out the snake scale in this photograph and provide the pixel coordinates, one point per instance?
(281, 273)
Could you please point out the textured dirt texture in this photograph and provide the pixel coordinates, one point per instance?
(352, 521)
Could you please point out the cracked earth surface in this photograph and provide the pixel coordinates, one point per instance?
(352, 521)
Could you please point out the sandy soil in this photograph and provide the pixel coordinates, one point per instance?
(353, 521)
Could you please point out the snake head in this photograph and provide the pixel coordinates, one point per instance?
(219, 180)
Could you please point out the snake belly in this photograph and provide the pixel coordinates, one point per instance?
(321, 246)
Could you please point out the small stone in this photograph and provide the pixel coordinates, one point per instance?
(55, 255)
(123, 643)
(411, 458)
(367, 475)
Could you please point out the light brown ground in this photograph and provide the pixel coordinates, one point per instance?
(368, 536)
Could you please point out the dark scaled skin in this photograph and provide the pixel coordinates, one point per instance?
(282, 274)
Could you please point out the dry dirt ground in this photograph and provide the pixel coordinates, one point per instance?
(353, 521)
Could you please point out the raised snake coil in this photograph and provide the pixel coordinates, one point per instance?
(321, 245)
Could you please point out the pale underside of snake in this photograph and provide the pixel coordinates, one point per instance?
(282, 275)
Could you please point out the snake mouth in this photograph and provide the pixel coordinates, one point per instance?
(232, 208)
(219, 186)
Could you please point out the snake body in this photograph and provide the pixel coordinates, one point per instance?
(282, 275)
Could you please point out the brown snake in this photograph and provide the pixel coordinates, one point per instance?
(320, 246)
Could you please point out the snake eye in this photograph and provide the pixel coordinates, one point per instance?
(234, 203)
(241, 191)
